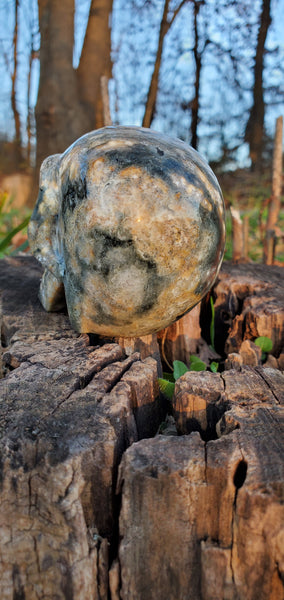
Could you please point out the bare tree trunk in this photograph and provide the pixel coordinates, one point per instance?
(29, 132)
(198, 63)
(59, 117)
(153, 88)
(237, 232)
(18, 141)
(31, 117)
(275, 200)
(70, 102)
(105, 101)
(246, 237)
(255, 124)
(95, 62)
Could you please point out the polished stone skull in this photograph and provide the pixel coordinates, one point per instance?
(129, 224)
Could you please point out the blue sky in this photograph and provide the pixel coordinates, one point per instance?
(134, 41)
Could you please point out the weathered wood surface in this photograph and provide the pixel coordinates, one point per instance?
(199, 515)
(182, 338)
(204, 519)
(68, 412)
(249, 303)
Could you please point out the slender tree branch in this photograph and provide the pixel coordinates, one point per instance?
(18, 153)
(153, 88)
(176, 12)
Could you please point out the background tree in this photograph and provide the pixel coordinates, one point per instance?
(69, 100)
(198, 62)
(95, 63)
(255, 125)
(153, 88)
(18, 140)
(185, 67)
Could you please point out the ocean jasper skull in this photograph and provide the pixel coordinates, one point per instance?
(129, 224)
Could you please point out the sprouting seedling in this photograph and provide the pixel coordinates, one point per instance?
(167, 382)
(265, 344)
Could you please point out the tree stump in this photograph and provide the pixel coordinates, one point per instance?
(95, 504)
(68, 412)
(204, 518)
(249, 304)
(182, 338)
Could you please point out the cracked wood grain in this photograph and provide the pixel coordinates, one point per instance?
(94, 506)
(249, 304)
(204, 519)
(68, 411)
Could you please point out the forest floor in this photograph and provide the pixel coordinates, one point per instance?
(250, 193)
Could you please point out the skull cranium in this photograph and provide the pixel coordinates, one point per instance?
(129, 224)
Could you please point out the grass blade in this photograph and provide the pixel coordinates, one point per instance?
(7, 239)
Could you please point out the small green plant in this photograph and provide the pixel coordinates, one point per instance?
(265, 344)
(196, 364)
(8, 229)
(167, 382)
(214, 366)
(167, 387)
(229, 243)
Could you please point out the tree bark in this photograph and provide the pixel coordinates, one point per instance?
(154, 84)
(181, 339)
(203, 518)
(255, 124)
(68, 412)
(249, 304)
(107, 120)
(90, 508)
(153, 88)
(198, 63)
(59, 116)
(237, 235)
(70, 102)
(95, 63)
(275, 200)
(17, 139)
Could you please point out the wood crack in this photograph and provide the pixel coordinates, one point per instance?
(79, 459)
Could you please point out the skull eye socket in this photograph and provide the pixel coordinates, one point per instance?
(73, 193)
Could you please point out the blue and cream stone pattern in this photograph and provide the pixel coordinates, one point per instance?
(129, 225)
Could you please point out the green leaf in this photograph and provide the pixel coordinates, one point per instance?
(180, 369)
(196, 364)
(168, 377)
(214, 367)
(166, 387)
(2, 202)
(7, 239)
(265, 343)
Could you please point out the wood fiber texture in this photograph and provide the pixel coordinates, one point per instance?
(249, 303)
(68, 412)
(203, 518)
(94, 503)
